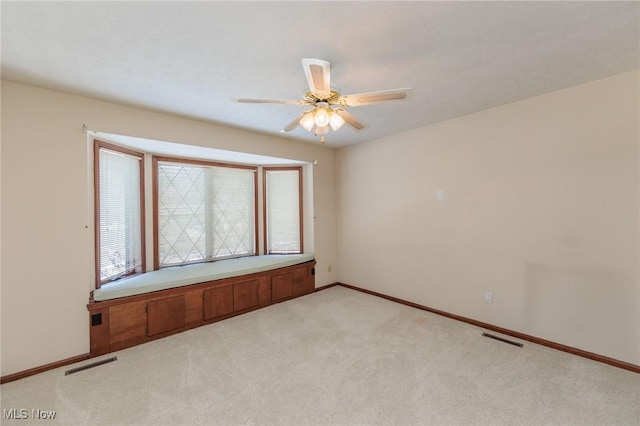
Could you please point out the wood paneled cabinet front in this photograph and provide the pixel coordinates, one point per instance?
(223, 301)
(165, 315)
(292, 283)
(245, 295)
(217, 302)
(120, 323)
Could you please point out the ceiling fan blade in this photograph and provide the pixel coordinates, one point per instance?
(350, 119)
(318, 74)
(289, 127)
(376, 97)
(270, 101)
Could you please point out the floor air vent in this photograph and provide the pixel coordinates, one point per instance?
(502, 339)
(93, 364)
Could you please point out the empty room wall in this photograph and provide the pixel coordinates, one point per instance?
(535, 201)
(47, 232)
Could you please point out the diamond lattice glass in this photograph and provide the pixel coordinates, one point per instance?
(204, 213)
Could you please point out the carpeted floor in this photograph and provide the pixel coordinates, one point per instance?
(336, 357)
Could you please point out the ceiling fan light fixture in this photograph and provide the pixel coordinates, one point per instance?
(307, 121)
(322, 114)
(335, 121)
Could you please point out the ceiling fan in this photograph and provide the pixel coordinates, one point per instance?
(328, 104)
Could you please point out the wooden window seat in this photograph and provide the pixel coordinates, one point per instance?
(168, 301)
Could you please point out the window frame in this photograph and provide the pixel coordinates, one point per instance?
(154, 178)
(265, 229)
(97, 145)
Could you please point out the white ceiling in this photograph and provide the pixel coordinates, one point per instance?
(191, 58)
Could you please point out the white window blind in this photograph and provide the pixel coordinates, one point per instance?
(283, 211)
(204, 213)
(120, 229)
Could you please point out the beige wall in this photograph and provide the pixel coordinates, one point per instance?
(46, 224)
(536, 201)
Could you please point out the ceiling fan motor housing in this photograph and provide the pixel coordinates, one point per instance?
(312, 98)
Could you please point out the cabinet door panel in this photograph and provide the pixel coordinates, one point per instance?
(264, 290)
(245, 295)
(165, 314)
(193, 312)
(127, 323)
(217, 302)
(282, 286)
(300, 282)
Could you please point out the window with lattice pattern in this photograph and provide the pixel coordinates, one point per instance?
(204, 212)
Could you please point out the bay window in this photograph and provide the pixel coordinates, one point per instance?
(202, 211)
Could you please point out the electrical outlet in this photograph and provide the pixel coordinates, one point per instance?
(329, 268)
(488, 296)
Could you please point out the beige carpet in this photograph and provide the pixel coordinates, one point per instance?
(336, 357)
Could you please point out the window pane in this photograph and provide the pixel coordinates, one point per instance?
(232, 207)
(181, 213)
(283, 211)
(120, 232)
(204, 213)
